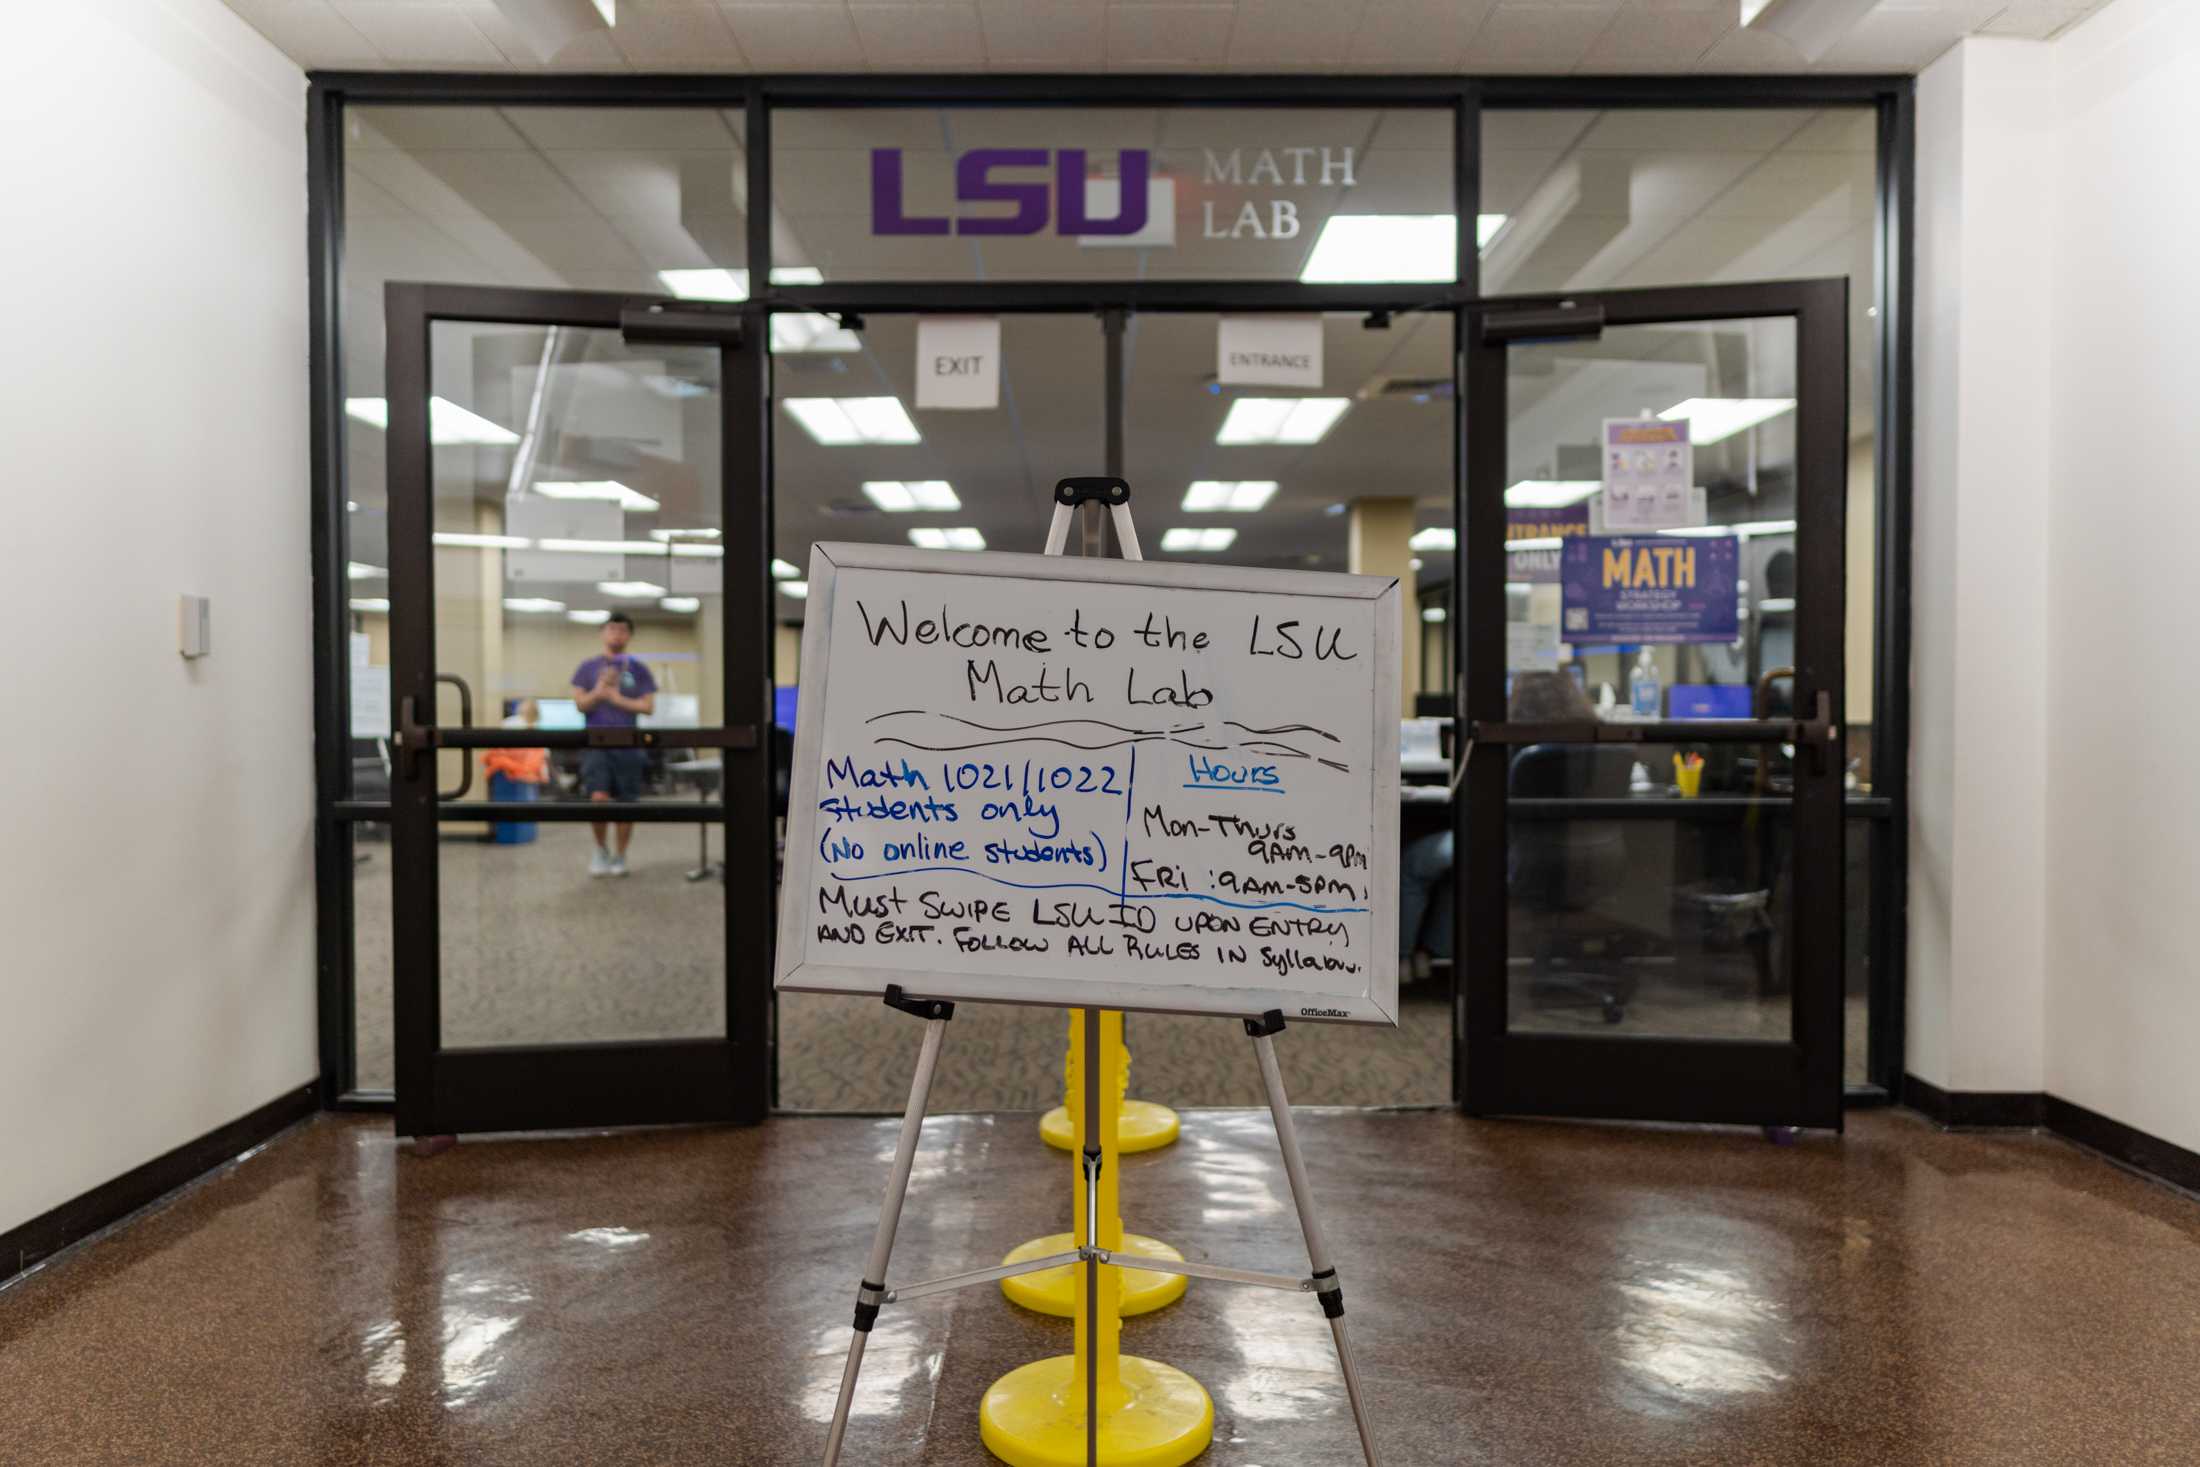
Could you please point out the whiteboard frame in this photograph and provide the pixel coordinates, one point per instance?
(1377, 1004)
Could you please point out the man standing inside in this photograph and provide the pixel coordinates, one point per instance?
(613, 690)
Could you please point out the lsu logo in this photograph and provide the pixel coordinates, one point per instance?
(1033, 200)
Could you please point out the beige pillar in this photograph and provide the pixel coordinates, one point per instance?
(1381, 529)
(710, 639)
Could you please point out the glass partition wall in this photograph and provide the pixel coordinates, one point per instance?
(1369, 214)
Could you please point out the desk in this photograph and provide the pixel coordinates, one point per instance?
(707, 775)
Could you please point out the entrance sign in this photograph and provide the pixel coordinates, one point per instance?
(1117, 784)
(1269, 351)
(1648, 468)
(1655, 588)
(958, 362)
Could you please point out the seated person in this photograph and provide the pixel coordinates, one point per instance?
(1424, 870)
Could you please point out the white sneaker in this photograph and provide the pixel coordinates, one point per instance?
(600, 864)
(618, 866)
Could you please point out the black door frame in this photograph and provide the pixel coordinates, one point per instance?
(1883, 814)
(443, 1090)
(1797, 1081)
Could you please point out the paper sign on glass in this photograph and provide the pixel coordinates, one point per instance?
(1655, 588)
(1648, 468)
(958, 362)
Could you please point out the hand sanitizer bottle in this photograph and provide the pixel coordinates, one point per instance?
(1642, 686)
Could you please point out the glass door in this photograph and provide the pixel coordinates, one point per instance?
(581, 794)
(1652, 547)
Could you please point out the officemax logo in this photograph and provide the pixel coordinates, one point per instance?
(1323, 1014)
(1034, 201)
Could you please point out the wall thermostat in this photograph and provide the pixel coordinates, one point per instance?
(194, 625)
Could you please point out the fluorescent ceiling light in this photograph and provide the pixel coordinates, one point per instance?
(1536, 542)
(1432, 613)
(609, 10)
(681, 603)
(1435, 537)
(835, 421)
(1747, 529)
(358, 570)
(1280, 419)
(1240, 496)
(732, 285)
(630, 588)
(1361, 249)
(1549, 493)
(699, 552)
(610, 489)
(1486, 227)
(449, 425)
(456, 540)
(707, 285)
(1716, 419)
(781, 571)
(370, 603)
(799, 590)
(1184, 540)
(602, 547)
(902, 498)
(589, 618)
(1415, 563)
(799, 331)
(532, 603)
(1812, 27)
(694, 534)
(953, 537)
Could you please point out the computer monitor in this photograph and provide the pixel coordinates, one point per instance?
(783, 707)
(1707, 700)
(558, 713)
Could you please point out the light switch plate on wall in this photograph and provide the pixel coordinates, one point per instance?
(194, 625)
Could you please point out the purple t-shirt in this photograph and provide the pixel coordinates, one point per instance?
(634, 682)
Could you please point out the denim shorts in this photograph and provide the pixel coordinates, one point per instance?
(614, 772)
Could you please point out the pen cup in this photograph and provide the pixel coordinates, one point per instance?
(1688, 775)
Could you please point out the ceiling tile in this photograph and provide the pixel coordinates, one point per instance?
(1420, 35)
(418, 34)
(1295, 32)
(796, 37)
(1906, 39)
(1553, 37)
(1044, 32)
(1749, 49)
(2039, 20)
(942, 36)
(1168, 35)
(309, 32)
(675, 36)
(1665, 33)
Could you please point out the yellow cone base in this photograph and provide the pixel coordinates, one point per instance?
(1034, 1416)
(1144, 1126)
(1052, 1290)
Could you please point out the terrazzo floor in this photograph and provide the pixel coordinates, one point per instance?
(1520, 1293)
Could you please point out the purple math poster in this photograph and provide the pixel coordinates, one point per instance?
(1649, 588)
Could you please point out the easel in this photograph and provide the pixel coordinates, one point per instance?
(873, 1293)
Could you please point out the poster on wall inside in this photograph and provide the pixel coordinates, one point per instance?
(1648, 468)
(1658, 588)
(1533, 538)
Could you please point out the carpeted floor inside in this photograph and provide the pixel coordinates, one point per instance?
(534, 950)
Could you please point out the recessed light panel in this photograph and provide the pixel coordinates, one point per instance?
(839, 421)
(1716, 419)
(1280, 419)
(1240, 496)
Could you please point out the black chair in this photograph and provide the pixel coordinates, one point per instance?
(1559, 870)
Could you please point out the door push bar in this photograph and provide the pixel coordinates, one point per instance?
(1817, 735)
(1562, 322)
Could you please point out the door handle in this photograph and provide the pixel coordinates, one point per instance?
(415, 739)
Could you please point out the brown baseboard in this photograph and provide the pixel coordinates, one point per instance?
(43, 1236)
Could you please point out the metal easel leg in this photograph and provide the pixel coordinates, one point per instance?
(1092, 1160)
(872, 1294)
(1262, 1032)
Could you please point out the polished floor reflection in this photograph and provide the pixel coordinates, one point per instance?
(1521, 1293)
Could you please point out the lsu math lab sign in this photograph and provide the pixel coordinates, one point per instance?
(1651, 588)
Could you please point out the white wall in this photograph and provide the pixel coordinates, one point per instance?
(2055, 840)
(158, 971)
(2123, 931)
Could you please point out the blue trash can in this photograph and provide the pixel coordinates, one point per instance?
(511, 832)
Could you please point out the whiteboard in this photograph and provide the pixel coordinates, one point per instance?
(1104, 783)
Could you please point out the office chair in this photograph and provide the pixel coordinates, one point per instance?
(1560, 869)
